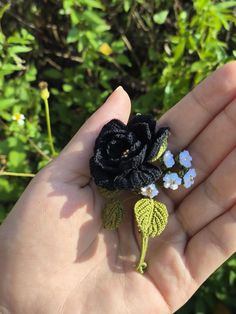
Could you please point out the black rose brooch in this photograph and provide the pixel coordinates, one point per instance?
(134, 157)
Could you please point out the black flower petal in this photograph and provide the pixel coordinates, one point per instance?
(102, 178)
(122, 153)
(113, 125)
(141, 118)
(135, 161)
(99, 161)
(142, 131)
(107, 132)
(137, 178)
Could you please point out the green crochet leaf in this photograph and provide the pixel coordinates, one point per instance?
(112, 214)
(108, 194)
(164, 140)
(151, 217)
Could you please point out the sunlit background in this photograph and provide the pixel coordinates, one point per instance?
(157, 50)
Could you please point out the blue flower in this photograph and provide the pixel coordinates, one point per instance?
(168, 159)
(172, 181)
(185, 159)
(189, 178)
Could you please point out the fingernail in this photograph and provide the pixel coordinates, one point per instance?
(113, 94)
(118, 88)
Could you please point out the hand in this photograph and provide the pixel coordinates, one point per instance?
(57, 258)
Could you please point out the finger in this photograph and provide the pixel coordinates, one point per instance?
(211, 198)
(211, 146)
(212, 246)
(191, 115)
(75, 156)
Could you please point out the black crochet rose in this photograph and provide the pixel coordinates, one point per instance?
(122, 154)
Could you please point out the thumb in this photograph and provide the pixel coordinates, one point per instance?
(74, 158)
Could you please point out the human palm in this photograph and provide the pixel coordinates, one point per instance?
(57, 258)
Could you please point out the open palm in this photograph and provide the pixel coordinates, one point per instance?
(55, 257)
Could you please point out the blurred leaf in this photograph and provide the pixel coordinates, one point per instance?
(73, 35)
(5, 189)
(179, 50)
(122, 59)
(127, 5)
(7, 69)
(92, 4)
(7, 103)
(16, 159)
(67, 88)
(92, 17)
(18, 49)
(2, 39)
(225, 4)
(160, 17)
(3, 9)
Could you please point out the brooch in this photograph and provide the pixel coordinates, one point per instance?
(135, 157)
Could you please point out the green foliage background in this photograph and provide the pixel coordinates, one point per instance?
(160, 50)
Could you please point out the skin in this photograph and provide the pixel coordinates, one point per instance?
(57, 258)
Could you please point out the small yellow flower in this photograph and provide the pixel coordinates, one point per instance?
(105, 49)
(19, 118)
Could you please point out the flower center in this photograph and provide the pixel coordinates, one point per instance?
(118, 149)
(125, 153)
(149, 192)
(17, 116)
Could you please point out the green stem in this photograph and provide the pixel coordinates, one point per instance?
(142, 265)
(50, 140)
(39, 150)
(16, 174)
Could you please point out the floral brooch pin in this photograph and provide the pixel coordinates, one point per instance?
(135, 157)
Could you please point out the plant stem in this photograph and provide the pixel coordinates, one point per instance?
(39, 150)
(16, 174)
(142, 265)
(50, 140)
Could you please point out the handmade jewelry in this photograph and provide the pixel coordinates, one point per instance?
(135, 157)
